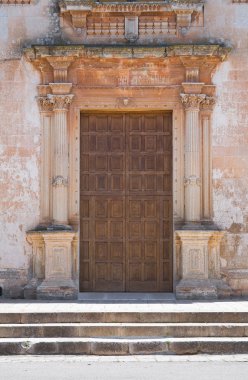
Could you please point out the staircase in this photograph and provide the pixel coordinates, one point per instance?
(82, 330)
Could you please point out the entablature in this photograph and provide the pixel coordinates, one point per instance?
(135, 65)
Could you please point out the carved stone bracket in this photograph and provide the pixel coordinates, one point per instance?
(192, 101)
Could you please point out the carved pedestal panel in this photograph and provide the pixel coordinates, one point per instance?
(54, 268)
(200, 265)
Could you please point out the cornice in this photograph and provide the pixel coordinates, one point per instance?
(87, 51)
(79, 7)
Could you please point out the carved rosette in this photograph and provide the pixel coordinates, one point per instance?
(192, 101)
(208, 103)
(60, 102)
(45, 104)
(59, 180)
(192, 181)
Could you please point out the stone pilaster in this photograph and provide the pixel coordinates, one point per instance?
(60, 158)
(192, 172)
(206, 113)
(46, 111)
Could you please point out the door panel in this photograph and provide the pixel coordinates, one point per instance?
(126, 202)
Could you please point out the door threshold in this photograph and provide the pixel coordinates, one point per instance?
(90, 297)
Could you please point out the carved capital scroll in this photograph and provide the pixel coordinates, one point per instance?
(192, 101)
(208, 103)
(45, 104)
(60, 102)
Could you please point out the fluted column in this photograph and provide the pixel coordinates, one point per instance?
(192, 170)
(60, 158)
(46, 109)
(206, 111)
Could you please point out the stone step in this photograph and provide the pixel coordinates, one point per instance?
(87, 330)
(123, 317)
(117, 346)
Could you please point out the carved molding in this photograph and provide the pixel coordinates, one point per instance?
(16, 2)
(192, 101)
(59, 181)
(37, 54)
(60, 102)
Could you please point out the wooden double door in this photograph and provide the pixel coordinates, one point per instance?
(126, 202)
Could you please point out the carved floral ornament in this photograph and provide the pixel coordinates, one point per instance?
(194, 101)
(59, 181)
(54, 102)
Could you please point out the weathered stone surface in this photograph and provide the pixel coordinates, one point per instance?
(143, 69)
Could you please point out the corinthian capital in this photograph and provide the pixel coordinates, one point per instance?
(60, 102)
(45, 104)
(192, 101)
(208, 103)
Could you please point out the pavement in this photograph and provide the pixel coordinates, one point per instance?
(203, 367)
(121, 305)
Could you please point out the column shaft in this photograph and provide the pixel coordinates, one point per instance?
(206, 168)
(60, 168)
(192, 166)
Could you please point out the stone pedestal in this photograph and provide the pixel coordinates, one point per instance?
(200, 275)
(58, 282)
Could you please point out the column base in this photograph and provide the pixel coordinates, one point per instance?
(196, 289)
(30, 290)
(57, 290)
(203, 290)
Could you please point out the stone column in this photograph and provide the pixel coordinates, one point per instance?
(192, 171)
(60, 159)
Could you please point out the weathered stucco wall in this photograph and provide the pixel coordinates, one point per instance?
(38, 23)
(20, 136)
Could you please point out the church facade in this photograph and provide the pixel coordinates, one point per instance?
(123, 148)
